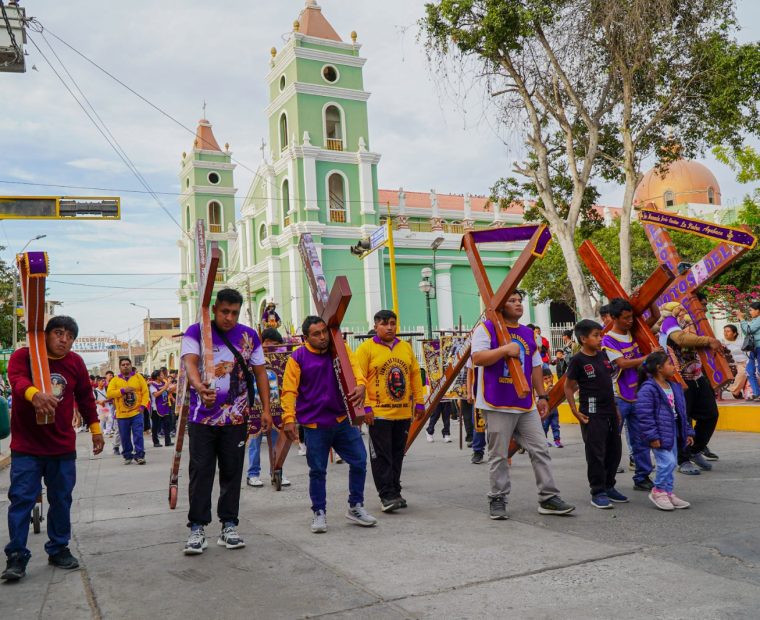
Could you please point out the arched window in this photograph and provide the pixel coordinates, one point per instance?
(187, 218)
(215, 217)
(283, 131)
(336, 197)
(286, 203)
(221, 272)
(333, 128)
(711, 195)
(670, 198)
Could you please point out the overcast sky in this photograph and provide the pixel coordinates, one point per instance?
(178, 54)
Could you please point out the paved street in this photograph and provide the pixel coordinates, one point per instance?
(441, 558)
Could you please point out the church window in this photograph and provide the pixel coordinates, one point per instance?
(333, 128)
(330, 74)
(187, 218)
(286, 203)
(187, 182)
(337, 197)
(213, 178)
(670, 198)
(214, 217)
(282, 83)
(711, 195)
(262, 234)
(283, 131)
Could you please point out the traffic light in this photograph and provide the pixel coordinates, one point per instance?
(361, 248)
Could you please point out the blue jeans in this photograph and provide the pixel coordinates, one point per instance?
(752, 368)
(639, 449)
(347, 442)
(666, 460)
(27, 473)
(552, 420)
(254, 453)
(132, 440)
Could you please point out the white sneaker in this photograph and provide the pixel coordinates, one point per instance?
(358, 514)
(285, 482)
(255, 481)
(196, 542)
(446, 439)
(230, 538)
(429, 437)
(301, 449)
(319, 522)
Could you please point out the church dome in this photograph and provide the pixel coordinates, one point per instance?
(685, 181)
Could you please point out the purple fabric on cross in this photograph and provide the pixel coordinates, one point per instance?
(37, 263)
(513, 233)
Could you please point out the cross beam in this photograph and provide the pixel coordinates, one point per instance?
(538, 238)
(641, 300)
(206, 267)
(33, 271)
(732, 243)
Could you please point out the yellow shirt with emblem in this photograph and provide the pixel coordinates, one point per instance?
(394, 381)
(128, 406)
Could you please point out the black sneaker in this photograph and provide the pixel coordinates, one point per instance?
(402, 502)
(64, 559)
(15, 568)
(555, 506)
(477, 458)
(497, 508)
(643, 485)
(709, 454)
(117, 451)
(391, 504)
(156, 445)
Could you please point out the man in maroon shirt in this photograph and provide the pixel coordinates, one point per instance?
(47, 451)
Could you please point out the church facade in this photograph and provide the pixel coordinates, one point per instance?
(321, 177)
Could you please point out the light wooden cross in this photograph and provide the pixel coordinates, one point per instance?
(33, 271)
(538, 238)
(206, 267)
(641, 300)
(732, 243)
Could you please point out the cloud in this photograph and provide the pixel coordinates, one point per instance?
(97, 165)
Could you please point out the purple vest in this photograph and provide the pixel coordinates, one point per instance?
(498, 387)
(319, 398)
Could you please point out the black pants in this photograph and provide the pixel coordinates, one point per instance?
(387, 440)
(603, 449)
(161, 423)
(146, 420)
(443, 411)
(702, 409)
(465, 410)
(207, 445)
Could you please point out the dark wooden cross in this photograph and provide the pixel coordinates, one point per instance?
(33, 271)
(538, 238)
(206, 267)
(641, 300)
(732, 243)
(332, 308)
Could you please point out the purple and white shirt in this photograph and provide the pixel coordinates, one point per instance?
(625, 380)
(231, 405)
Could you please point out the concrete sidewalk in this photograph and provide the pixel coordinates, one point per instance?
(440, 558)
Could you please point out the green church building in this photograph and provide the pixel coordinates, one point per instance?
(321, 177)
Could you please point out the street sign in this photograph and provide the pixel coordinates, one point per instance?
(378, 237)
(60, 207)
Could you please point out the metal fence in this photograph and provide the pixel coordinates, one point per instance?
(555, 339)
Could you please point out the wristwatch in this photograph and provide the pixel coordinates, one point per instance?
(543, 397)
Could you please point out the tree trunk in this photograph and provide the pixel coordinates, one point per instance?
(626, 267)
(583, 300)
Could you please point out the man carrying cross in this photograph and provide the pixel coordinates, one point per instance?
(312, 396)
(508, 414)
(218, 415)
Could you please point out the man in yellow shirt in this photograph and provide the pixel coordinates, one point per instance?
(394, 391)
(131, 398)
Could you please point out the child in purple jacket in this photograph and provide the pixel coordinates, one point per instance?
(661, 410)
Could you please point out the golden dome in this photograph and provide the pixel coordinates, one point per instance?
(685, 181)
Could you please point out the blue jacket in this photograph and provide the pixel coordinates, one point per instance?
(655, 416)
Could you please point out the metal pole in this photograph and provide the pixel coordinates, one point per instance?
(429, 316)
(148, 347)
(15, 302)
(392, 264)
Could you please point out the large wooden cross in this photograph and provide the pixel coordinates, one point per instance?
(732, 243)
(33, 271)
(538, 238)
(206, 267)
(641, 300)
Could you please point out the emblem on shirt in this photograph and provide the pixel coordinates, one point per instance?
(59, 385)
(589, 370)
(130, 399)
(523, 350)
(396, 383)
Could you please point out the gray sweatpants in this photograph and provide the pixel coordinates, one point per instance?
(528, 432)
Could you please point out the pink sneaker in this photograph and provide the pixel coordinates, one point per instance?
(661, 499)
(677, 502)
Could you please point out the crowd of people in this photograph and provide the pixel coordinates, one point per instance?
(662, 404)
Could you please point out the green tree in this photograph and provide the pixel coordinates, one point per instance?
(7, 275)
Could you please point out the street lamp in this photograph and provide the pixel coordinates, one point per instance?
(15, 290)
(434, 246)
(147, 337)
(426, 287)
